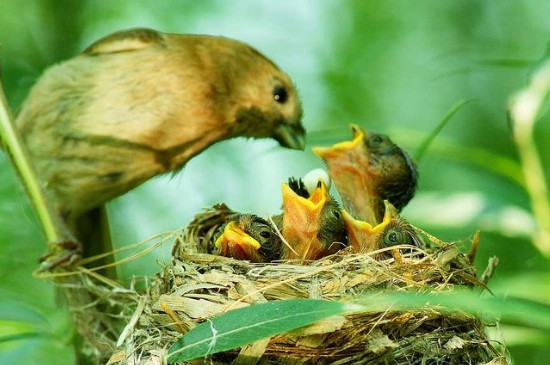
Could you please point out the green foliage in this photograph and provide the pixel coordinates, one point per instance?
(243, 326)
(246, 325)
(426, 143)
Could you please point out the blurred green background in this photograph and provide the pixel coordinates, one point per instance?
(396, 67)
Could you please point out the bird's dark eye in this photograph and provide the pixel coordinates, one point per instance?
(336, 214)
(394, 237)
(265, 234)
(280, 95)
(377, 140)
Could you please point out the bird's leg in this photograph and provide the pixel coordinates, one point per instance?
(62, 253)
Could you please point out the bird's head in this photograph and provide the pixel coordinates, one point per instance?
(367, 170)
(266, 101)
(309, 223)
(392, 231)
(248, 237)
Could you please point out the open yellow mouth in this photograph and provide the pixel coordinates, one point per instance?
(338, 148)
(363, 235)
(314, 203)
(351, 170)
(320, 194)
(301, 218)
(234, 235)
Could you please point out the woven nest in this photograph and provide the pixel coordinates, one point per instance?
(197, 286)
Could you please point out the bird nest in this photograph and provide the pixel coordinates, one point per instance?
(196, 286)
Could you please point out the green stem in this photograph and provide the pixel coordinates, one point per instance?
(18, 155)
(428, 140)
(524, 110)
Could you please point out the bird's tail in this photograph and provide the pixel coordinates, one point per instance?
(93, 231)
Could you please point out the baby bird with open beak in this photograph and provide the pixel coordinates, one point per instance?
(368, 170)
(311, 223)
(313, 226)
(248, 237)
(392, 231)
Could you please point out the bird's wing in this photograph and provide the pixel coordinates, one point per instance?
(297, 185)
(125, 41)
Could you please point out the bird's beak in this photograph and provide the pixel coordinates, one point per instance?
(301, 209)
(236, 243)
(364, 237)
(320, 193)
(301, 219)
(291, 136)
(342, 149)
(349, 165)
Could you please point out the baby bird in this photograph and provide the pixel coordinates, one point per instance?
(312, 225)
(392, 231)
(139, 103)
(368, 170)
(248, 237)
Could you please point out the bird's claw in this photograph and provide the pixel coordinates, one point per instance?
(64, 253)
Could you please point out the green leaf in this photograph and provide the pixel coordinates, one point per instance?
(507, 62)
(428, 140)
(246, 325)
(509, 310)
(16, 311)
(21, 336)
(532, 285)
(481, 157)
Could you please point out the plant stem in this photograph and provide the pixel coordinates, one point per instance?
(524, 110)
(16, 151)
(428, 140)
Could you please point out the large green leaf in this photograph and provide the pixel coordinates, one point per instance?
(246, 325)
(509, 310)
(243, 326)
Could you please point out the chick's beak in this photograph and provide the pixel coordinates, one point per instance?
(291, 136)
(364, 237)
(349, 164)
(236, 243)
(320, 193)
(299, 209)
(301, 219)
(313, 204)
(342, 149)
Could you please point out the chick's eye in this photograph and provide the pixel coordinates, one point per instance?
(280, 95)
(265, 234)
(377, 140)
(394, 237)
(336, 214)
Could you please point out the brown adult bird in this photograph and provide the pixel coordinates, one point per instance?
(313, 226)
(248, 237)
(140, 103)
(368, 170)
(392, 231)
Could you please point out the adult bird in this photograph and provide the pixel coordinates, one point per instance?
(368, 170)
(139, 103)
(392, 231)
